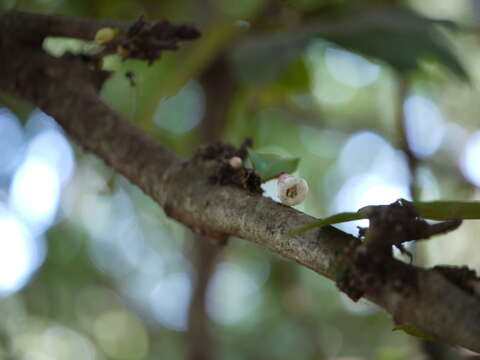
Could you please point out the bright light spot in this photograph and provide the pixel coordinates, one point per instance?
(182, 112)
(360, 151)
(455, 135)
(170, 300)
(131, 242)
(350, 69)
(428, 184)
(87, 187)
(20, 253)
(11, 142)
(367, 152)
(51, 146)
(392, 166)
(364, 190)
(63, 343)
(233, 294)
(330, 92)
(375, 192)
(118, 247)
(35, 193)
(470, 160)
(325, 88)
(38, 122)
(376, 173)
(424, 125)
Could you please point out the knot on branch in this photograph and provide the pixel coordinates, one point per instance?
(194, 191)
(367, 272)
(461, 276)
(398, 223)
(221, 154)
(371, 266)
(146, 41)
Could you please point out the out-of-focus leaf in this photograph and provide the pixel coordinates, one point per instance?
(262, 59)
(413, 331)
(269, 166)
(296, 78)
(397, 36)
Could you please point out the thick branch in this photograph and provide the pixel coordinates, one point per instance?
(67, 90)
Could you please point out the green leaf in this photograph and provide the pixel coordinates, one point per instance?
(396, 35)
(334, 219)
(413, 331)
(445, 210)
(269, 166)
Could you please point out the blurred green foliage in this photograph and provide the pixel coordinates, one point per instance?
(118, 274)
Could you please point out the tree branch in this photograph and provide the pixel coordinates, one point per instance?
(67, 89)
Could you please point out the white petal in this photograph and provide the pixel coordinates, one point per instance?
(291, 190)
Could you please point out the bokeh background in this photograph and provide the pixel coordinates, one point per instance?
(378, 102)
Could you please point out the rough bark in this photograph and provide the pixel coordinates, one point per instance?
(67, 89)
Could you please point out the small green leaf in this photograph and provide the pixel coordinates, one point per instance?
(269, 166)
(413, 331)
(334, 219)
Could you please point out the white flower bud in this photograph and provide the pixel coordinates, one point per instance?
(235, 162)
(291, 189)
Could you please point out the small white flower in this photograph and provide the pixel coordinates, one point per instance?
(235, 162)
(291, 189)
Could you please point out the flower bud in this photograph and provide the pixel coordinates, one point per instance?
(104, 35)
(235, 162)
(291, 189)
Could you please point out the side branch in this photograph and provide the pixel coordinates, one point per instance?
(67, 89)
